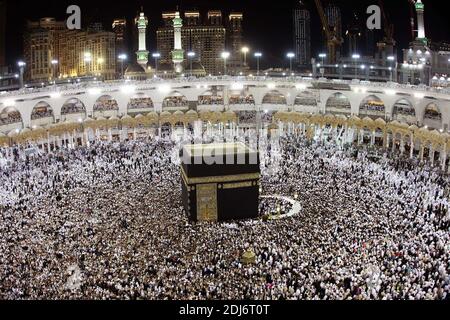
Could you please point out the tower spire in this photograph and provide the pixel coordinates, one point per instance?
(178, 52)
(142, 53)
(420, 9)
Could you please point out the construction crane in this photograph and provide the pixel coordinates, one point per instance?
(388, 26)
(333, 40)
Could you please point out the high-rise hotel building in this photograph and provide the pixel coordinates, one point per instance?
(206, 38)
(41, 47)
(302, 35)
(77, 52)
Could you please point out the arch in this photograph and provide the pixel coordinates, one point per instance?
(73, 109)
(432, 116)
(10, 119)
(42, 114)
(403, 111)
(106, 103)
(274, 97)
(372, 107)
(140, 103)
(306, 99)
(338, 103)
(175, 101)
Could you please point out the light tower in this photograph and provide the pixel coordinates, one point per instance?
(420, 9)
(178, 52)
(142, 53)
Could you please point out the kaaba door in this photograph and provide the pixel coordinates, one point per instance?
(207, 202)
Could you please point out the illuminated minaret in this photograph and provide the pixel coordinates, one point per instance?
(420, 9)
(178, 52)
(142, 53)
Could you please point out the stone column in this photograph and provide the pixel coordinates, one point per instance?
(48, 143)
(422, 150)
(443, 158)
(431, 155)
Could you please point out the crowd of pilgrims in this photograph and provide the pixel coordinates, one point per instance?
(210, 100)
(247, 117)
(10, 117)
(106, 221)
(140, 103)
(73, 107)
(106, 105)
(242, 99)
(41, 112)
(175, 102)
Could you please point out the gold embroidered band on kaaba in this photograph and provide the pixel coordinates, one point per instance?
(219, 179)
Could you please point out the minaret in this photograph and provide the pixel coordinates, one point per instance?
(142, 53)
(420, 9)
(178, 52)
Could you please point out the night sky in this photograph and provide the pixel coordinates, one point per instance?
(267, 24)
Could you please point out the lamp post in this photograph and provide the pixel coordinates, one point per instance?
(291, 56)
(323, 56)
(122, 57)
(245, 50)
(21, 65)
(54, 63)
(356, 57)
(258, 56)
(156, 56)
(225, 55)
(191, 56)
(391, 60)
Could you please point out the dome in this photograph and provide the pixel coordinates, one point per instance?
(134, 68)
(196, 66)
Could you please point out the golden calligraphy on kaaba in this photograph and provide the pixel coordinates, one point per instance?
(239, 185)
(207, 202)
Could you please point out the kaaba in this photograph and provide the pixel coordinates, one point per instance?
(220, 182)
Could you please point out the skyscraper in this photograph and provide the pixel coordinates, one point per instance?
(302, 35)
(235, 63)
(206, 40)
(78, 53)
(2, 33)
(119, 27)
(41, 47)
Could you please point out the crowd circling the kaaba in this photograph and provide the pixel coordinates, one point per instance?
(106, 222)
